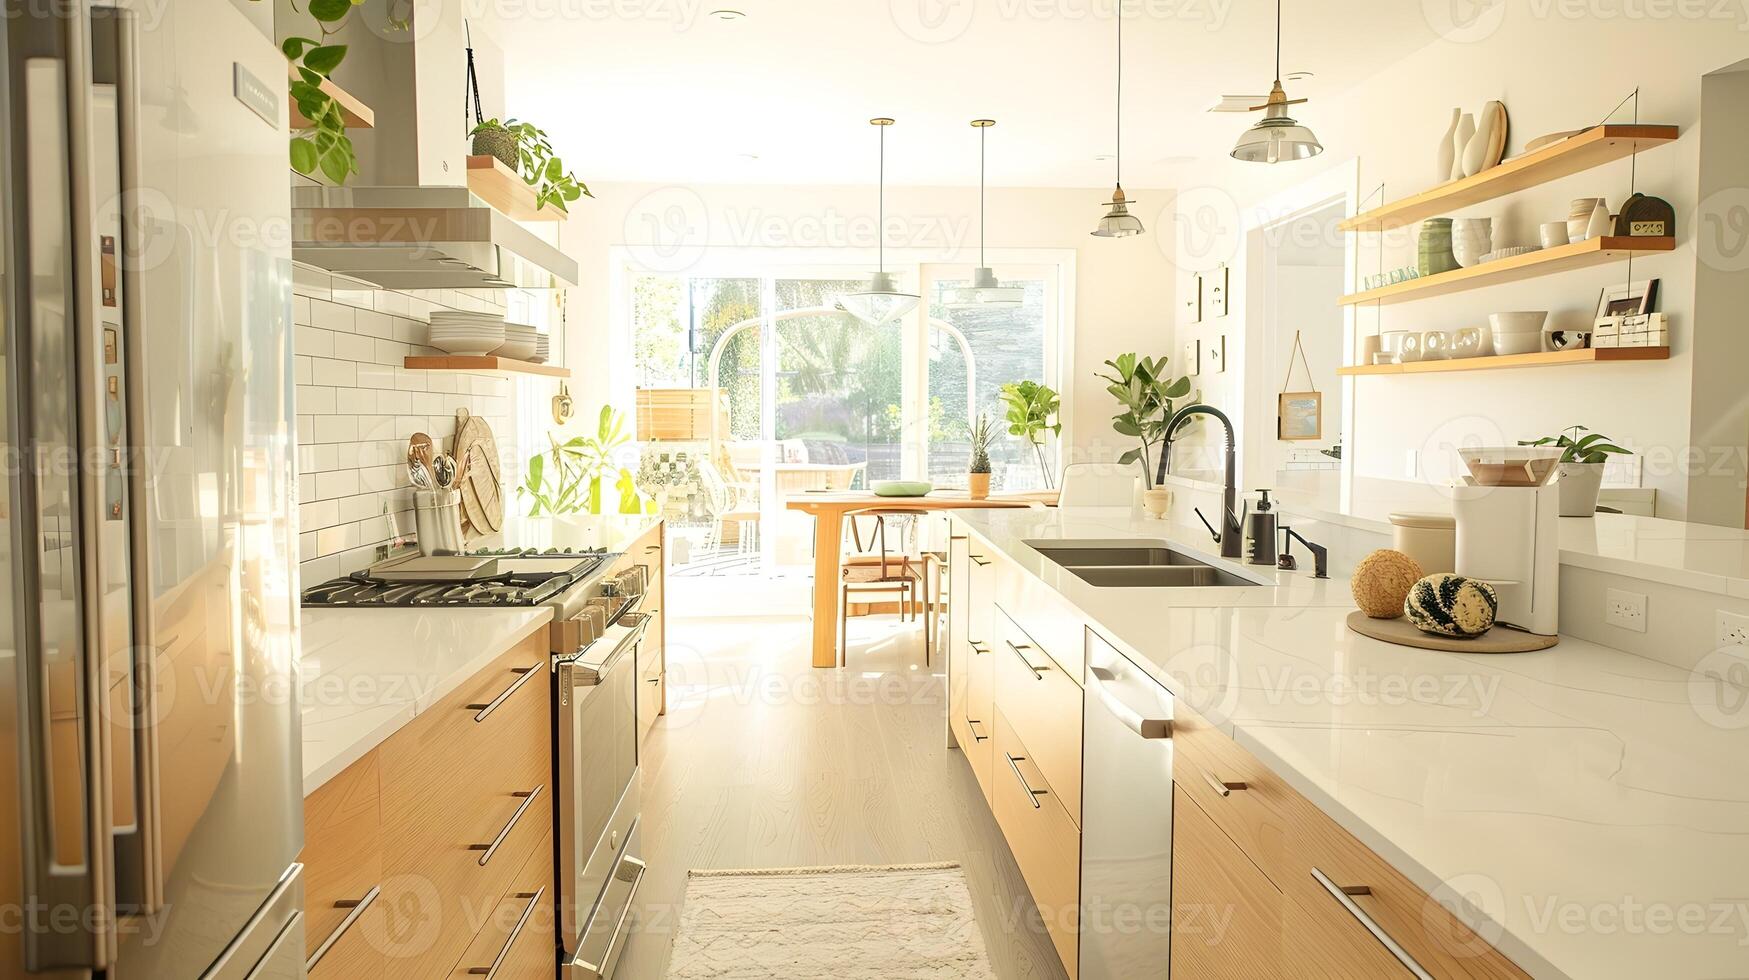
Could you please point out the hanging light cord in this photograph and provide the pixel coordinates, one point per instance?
(1278, 42)
(881, 208)
(1119, 161)
(981, 194)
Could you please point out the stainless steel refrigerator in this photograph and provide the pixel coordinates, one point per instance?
(150, 775)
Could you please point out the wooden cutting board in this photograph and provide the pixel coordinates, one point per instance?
(481, 488)
(1403, 633)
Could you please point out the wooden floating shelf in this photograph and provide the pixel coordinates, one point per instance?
(1592, 251)
(483, 364)
(503, 188)
(1592, 148)
(1499, 361)
(356, 113)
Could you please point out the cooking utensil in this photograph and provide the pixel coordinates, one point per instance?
(419, 447)
(443, 468)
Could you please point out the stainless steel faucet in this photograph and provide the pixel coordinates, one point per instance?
(1231, 536)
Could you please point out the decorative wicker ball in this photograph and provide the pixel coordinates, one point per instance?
(1382, 581)
(1447, 604)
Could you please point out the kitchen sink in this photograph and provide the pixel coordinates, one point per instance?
(1122, 564)
(1156, 576)
(1081, 556)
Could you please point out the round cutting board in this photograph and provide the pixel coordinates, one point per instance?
(1403, 633)
(481, 486)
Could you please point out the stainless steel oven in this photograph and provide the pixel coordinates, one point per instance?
(595, 702)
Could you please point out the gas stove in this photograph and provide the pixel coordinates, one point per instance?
(501, 577)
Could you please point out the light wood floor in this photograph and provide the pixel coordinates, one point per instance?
(765, 762)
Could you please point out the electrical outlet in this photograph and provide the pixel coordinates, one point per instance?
(1626, 610)
(1731, 629)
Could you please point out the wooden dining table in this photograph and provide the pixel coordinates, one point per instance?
(828, 509)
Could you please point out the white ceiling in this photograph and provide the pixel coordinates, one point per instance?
(659, 90)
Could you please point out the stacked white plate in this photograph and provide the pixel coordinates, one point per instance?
(462, 332)
(519, 342)
(542, 348)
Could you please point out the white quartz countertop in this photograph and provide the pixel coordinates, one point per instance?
(365, 673)
(1593, 805)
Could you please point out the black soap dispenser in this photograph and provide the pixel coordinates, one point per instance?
(1261, 531)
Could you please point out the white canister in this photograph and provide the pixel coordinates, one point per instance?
(1430, 539)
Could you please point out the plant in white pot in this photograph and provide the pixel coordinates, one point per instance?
(978, 472)
(1146, 393)
(1581, 467)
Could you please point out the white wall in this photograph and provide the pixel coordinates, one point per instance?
(1553, 72)
(1121, 290)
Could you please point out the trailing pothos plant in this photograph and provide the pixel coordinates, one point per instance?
(536, 162)
(324, 146)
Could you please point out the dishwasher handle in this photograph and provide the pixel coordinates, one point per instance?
(1098, 681)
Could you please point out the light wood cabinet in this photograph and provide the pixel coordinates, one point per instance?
(441, 818)
(958, 654)
(1046, 844)
(651, 552)
(1227, 917)
(1044, 706)
(980, 673)
(518, 939)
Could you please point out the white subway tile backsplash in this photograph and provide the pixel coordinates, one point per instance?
(357, 404)
(327, 371)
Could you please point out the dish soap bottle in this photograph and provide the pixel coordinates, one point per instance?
(1260, 530)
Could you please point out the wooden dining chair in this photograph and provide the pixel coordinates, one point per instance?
(876, 567)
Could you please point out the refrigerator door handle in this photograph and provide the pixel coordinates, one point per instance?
(139, 868)
(88, 362)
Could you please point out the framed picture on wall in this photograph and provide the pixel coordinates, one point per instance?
(1193, 357)
(1300, 416)
(1216, 355)
(1215, 292)
(1190, 310)
(1628, 299)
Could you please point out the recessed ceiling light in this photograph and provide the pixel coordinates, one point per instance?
(726, 14)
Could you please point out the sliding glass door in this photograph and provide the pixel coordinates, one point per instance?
(798, 396)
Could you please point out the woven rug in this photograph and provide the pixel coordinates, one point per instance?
(903, 922)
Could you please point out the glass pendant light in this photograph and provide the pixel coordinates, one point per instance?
(985, 292)
(881, 302)
(1119, 222)
(1276, 137)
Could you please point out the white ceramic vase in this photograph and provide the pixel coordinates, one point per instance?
(1471, 238)
(1460, 140)
(1476, 150)
(1447, 149)
(1579, 485)
(1599, 225)
(1157, 502)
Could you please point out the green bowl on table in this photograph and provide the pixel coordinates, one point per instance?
(900, 488)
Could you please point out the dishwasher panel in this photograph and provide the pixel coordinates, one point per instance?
(1126, 820)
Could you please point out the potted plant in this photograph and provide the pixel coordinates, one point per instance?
(567, 479)
(978, 473)
(1581, 467)
(1031, 410)
(525, 148)
(1145, 392)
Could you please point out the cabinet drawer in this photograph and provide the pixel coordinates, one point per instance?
(651, 689)
(1288, 837)
(1045, 842)
(343, 860)
(980, 718)
(1239, 793)
(1044, 706)
(359, 950)
(519, 936)
(1227, 917)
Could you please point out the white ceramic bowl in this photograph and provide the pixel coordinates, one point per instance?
(1524, 342)
(1524, 321)
(519, 342)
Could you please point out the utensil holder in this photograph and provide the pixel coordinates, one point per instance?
(437, 520)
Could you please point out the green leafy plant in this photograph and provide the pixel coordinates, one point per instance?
(1146, 393)
(539, 166)
(567, 478)
(324, 146)
(983, 437)
(1031, 409)
(1594, 448)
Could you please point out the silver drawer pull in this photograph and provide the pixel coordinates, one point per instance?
(974, 725)
(485, 709)
(356, 910)
(1031, 794)
(497, 961)
(978, 646)
(637, 879)
(1224, 787)
(1342, 894)
(979, 560)
(652, 547)
(1038, 673)
(492, 848)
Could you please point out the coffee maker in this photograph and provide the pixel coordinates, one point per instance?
(1508, 514)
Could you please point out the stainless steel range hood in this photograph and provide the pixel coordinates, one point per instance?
(421, 238)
